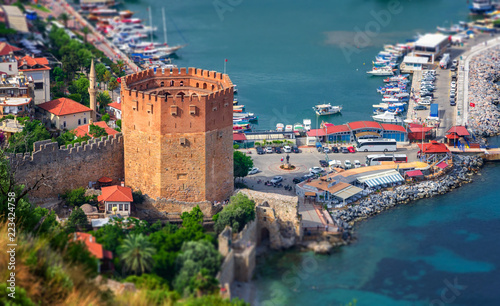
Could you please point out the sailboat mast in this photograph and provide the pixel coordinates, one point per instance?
(151, 23)
(164, 25)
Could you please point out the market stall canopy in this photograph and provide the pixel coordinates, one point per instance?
(381, 178)
(414, 173)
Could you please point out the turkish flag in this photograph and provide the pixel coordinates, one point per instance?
(472, 104)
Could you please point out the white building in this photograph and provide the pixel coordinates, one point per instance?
(431, 46)
(39, 71)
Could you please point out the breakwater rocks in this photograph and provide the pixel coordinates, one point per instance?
(464, 167)
(484, 115)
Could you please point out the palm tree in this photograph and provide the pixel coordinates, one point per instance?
(64, 18)
(85, 32)
(137, 254)
(120, 64)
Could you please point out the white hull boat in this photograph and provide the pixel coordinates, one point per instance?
(388, 117)
(327, 109)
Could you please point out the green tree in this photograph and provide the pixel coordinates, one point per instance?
(138, 197)
(100, 70)
(58, 74)
(97, 131)
(198, 263)
(85, 32)
(64, 18)
(112, 86)
(105, 118)
(77, 220)
(136, 252)
(242, 164)
(75, 97)
(106, 77)
(119, 123)
(237, 214)
(103, 99)
(4, 31)
(75, 197)
(22, 142)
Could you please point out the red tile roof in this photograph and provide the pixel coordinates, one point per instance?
(442, 165)
(37, 63)
(433, 147)
(414, 173)
(452, 136)
(82, 130)
(393, 127)
(316, 132)
(64, 106)
(116, 194)
(239, 137)
(337, 129)
(364, 124)
(421, 129)
(6, 49)
(94, 248)
(459, 130)
(115, 105)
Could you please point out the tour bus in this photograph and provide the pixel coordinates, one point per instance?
(376, 145)
(376, 159)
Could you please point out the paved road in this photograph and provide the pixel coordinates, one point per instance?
(269, 164)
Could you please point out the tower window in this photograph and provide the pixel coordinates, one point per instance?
(181, 83)
(172, 83)
(162, 84)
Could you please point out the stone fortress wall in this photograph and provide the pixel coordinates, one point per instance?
(177, 126)
(69, 167)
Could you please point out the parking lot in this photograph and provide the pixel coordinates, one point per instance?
(269, 165)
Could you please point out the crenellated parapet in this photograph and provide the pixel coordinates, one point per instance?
(47, 151)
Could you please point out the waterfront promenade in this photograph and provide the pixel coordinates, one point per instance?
(77, 23)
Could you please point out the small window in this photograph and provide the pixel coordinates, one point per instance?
(172, 83)
(126, 207)
(10, 67)
(162, 84)
(181, 83)
(265, 219)
(121, 207)
(79, 121)
(64, 123)
(84, 120)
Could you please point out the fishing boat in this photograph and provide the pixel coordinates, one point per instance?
(289, 128)
(125, 14)
(235, 102)
(247, 116)
(327, 109)
(298, 127)
(388, 117)
(307, 124)
(280, 127)
(450, 31)
(481, 7)
(381, 72)
(241, 127)
(87, 5)
(238, 106)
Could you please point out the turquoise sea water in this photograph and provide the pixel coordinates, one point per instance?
(406, 256)
(285, 57)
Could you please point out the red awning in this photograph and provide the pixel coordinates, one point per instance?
(452, 136)
(442, 165)
(421, 129)
(239, 137)
(414, 173)
(104, 179)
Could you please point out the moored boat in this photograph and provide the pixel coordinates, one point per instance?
(388, 117)
(327, 109)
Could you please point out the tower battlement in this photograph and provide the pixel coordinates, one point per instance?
(177, 129)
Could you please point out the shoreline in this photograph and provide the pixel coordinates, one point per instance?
(463, 168)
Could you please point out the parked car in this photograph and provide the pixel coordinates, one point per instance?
(335, 149)
(326, 150)
(287, 149)
(420, 107)
(320, 149)
(424, 102)
(338, 164)
(427, 94)
(453, 67)
(276, 179)
(316, 170)
(344, 150)
(260, 151)
(277, 150)
(295, 149)
(347, 164)
(254, 170)
(297, 180)
(452, 102)
(357, 164)
(323, 163)
(308, 176)
(455, 62)
(269, 149)
(351, 150)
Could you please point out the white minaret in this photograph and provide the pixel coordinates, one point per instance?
(92, 92)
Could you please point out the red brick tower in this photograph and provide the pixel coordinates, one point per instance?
(178, 135)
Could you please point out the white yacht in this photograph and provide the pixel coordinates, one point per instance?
(327, 109)
(381, 71)
(307, 124)
(388, 117)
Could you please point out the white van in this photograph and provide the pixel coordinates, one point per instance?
(287, 149)
(347, 164)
